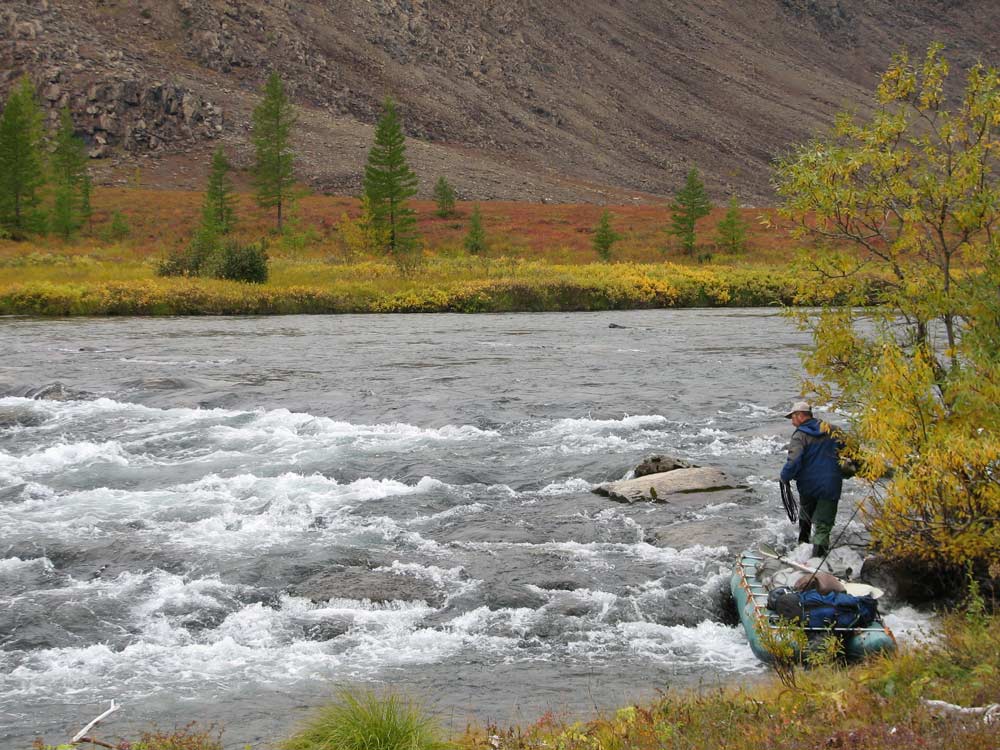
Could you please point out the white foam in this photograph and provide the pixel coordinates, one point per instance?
(63, 456)
(708, 643)
(445, 578)
(911, 626)
(571, 486)
(727, 444)
(626, 423)
(14, 567)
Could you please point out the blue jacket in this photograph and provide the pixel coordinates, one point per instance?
(813, 462)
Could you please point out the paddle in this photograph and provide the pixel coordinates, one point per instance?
(854, 589)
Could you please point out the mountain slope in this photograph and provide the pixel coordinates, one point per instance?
(525, 99)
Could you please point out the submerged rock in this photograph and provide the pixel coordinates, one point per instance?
(378, 586)
(669, 487)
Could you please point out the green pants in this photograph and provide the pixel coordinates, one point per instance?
(819, 513)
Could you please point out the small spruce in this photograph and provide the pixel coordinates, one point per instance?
(218, 209)
(444, 196)
(731, 231)
(475, 239)
(690, 204)
(604, 237)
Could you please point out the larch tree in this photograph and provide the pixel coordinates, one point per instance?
(604, 237)
(475, 238)
(731, 231)
(444, 196)
(273, 120)
(913, 194)
(690, 204)
(22, 170)
(389, 183)
(218, 209)
(68, 163)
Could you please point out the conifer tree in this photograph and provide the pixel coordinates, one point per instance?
(389, 183)
(273, 120)
(475, 239)
(604, 237)
(69, 173)
(218, 209)
(731, 231)
(86, 210)
(444, 195)
(690, 204)
(21, 165)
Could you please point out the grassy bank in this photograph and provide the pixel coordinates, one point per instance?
(879, 705)
(539, 259)
(95, 288)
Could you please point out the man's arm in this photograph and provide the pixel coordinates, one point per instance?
(794, 462)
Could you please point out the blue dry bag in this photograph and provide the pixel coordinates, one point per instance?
(837, 610)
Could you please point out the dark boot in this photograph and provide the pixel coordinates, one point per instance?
(820, 551)
(805, 529)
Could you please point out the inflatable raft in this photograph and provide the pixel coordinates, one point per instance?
(751, 603)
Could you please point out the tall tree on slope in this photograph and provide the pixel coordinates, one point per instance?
(273, 120)
(21, 166)
(690, 204)
(389, 184)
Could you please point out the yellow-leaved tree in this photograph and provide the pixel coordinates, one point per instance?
(910, 196)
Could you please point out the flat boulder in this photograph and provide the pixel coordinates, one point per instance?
(675, 486)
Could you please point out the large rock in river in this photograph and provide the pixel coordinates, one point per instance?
(675, 486)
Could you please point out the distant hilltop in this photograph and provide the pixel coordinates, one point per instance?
(525, 100)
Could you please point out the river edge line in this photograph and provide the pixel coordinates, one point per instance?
(630, 290)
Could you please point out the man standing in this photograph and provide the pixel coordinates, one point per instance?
(813, 463)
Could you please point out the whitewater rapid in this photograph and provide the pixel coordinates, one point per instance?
(163, 527)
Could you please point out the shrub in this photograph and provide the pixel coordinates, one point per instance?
(117, 230)
(192, 260)
(235, 261)
(368, 721)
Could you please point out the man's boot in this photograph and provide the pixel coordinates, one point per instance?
(820, 551)
(805, 529)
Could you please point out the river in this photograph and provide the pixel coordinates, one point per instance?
(165, 508)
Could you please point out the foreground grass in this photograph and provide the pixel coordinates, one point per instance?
(878, 705)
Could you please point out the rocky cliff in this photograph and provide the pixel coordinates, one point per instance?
(580, 100)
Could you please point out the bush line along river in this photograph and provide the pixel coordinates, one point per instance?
(373, 288)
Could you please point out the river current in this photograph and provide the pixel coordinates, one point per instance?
(175, 494)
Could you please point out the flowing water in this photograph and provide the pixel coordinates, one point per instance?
(225, 519)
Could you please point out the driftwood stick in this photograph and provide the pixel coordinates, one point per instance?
(989, 713)
(82, 734)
